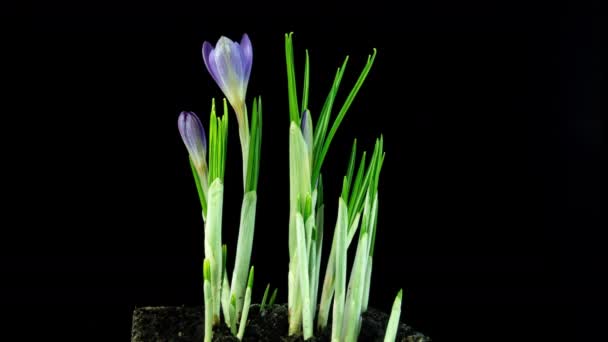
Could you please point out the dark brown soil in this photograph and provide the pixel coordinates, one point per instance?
(185, 324)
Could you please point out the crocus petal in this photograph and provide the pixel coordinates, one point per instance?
(213, 65)
(193, 134)
(229, 63)
(247, 57)
(207, 50)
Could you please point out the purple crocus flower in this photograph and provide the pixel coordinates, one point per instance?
(229, 63)
(193, 134)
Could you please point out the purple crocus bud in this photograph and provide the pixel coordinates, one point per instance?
(193, 134)
(229, 63)
(306, 127)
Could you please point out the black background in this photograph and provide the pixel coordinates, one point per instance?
(490, 115)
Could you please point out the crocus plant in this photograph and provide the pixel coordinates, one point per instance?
(229, 63)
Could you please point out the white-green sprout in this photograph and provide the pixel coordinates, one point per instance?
(264, 298)
(218, 136)
(246, 306)
(308, 147)
(208, 299)
(393, 321)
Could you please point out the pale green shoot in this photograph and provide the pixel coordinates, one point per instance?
(246, 306)
(218, 133)
(393, 321)
(208, 299)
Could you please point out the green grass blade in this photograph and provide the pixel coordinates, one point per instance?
(199, 189)
(342, 113)
(349, 172)
(273, 297)
(325, 114)
(360, 187)
(264, 297)
(306, 84)
(324, 118)
(224, 140)
(253, 163)
(294, 115)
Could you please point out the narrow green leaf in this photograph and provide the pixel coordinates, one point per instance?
(374, 220)
(324, 117)
(359, 188)
(328, 105)
(224, 141)
(306, 84)
(294, 115)
(251, 164)
(346, 183)
(256, 144)
(342, 113)
(263, 303)
(212, 144)
(273, 297)
(199, 188)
